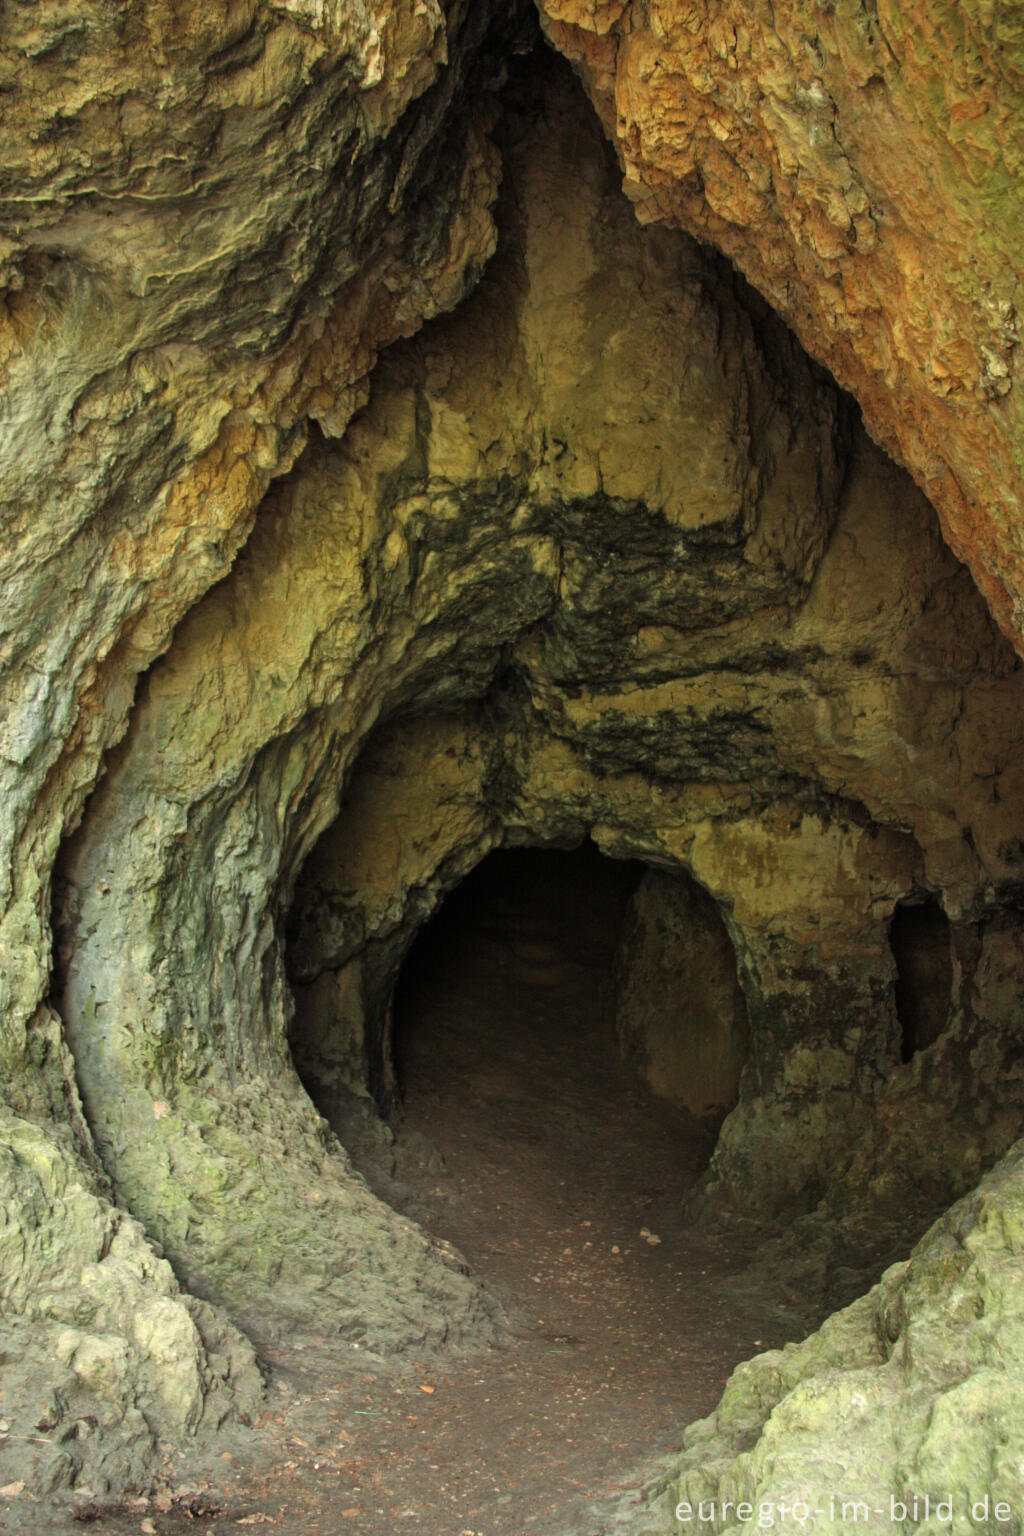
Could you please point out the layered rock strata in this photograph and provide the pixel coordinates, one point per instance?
(602, 553)
(214, 216)
(609, 518)
(861, 165)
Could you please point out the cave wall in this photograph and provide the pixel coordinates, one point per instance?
(910, 1393)
(861, 165)
(394, 571)
(680, 1013)
(213, 218)
(813, 739)
(601, 553)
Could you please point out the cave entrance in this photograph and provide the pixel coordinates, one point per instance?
(524, 1128)
(520, 958)
(586, 962)
(527, 1131)
(552, 1099)
(922, 950)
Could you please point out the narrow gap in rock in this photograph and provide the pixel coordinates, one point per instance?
(920, 938)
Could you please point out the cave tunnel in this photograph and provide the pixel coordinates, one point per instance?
(532, 935)
(564, 1024)
(922, 951)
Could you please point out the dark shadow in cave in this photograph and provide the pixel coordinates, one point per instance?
(524, 1135)
(541, 929)
(519, 1106)
(922, 948)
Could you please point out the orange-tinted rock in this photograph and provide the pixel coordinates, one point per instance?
(861, 165)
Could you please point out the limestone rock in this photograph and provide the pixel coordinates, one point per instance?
(600, 552)
(213, 218)
(679, 1009)
(794, 757)
(861, 166)
(91, 1297)
(912, 1393)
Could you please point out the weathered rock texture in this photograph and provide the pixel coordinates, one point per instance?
(213, 217)
(861, 164)
(664, 679)
(602, 553)
(680, 1011)
(909, 1400)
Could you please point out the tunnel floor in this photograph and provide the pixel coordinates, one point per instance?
(523, 1141)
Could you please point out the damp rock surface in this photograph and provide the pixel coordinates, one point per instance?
(378, 491)
(912, 1393)
(861, 165)
(196, 265)
(603, 553)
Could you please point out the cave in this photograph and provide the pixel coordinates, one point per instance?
(489, 495)
(545, 922)
(550, 978)
(921, 946)
(657, 987)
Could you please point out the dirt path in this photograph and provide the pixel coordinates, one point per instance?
(523, 1143)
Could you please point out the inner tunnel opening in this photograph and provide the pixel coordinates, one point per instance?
(585, 968)
(922, 950)
(568, 1033)
(520, 957)
(546, 1122)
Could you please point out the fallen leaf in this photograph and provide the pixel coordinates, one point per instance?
(257, 1519)
(11, 1490)
(163, 1502)
(428, 1389)
(147, 1528)
(351, 1514)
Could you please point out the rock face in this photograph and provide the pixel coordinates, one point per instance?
(213, 217)
(593, 549)
(680, 1011)
(674, 687)
(861, 165)
(908, 1400)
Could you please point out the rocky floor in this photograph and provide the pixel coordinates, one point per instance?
(522, 1141)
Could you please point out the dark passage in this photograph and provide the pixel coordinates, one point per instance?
(920, 937)
(524, 1138)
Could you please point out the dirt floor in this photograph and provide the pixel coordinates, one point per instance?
(523, 1142)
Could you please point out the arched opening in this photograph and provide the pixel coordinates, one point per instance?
(521, 955)
(565, 1034)
(922, 949)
